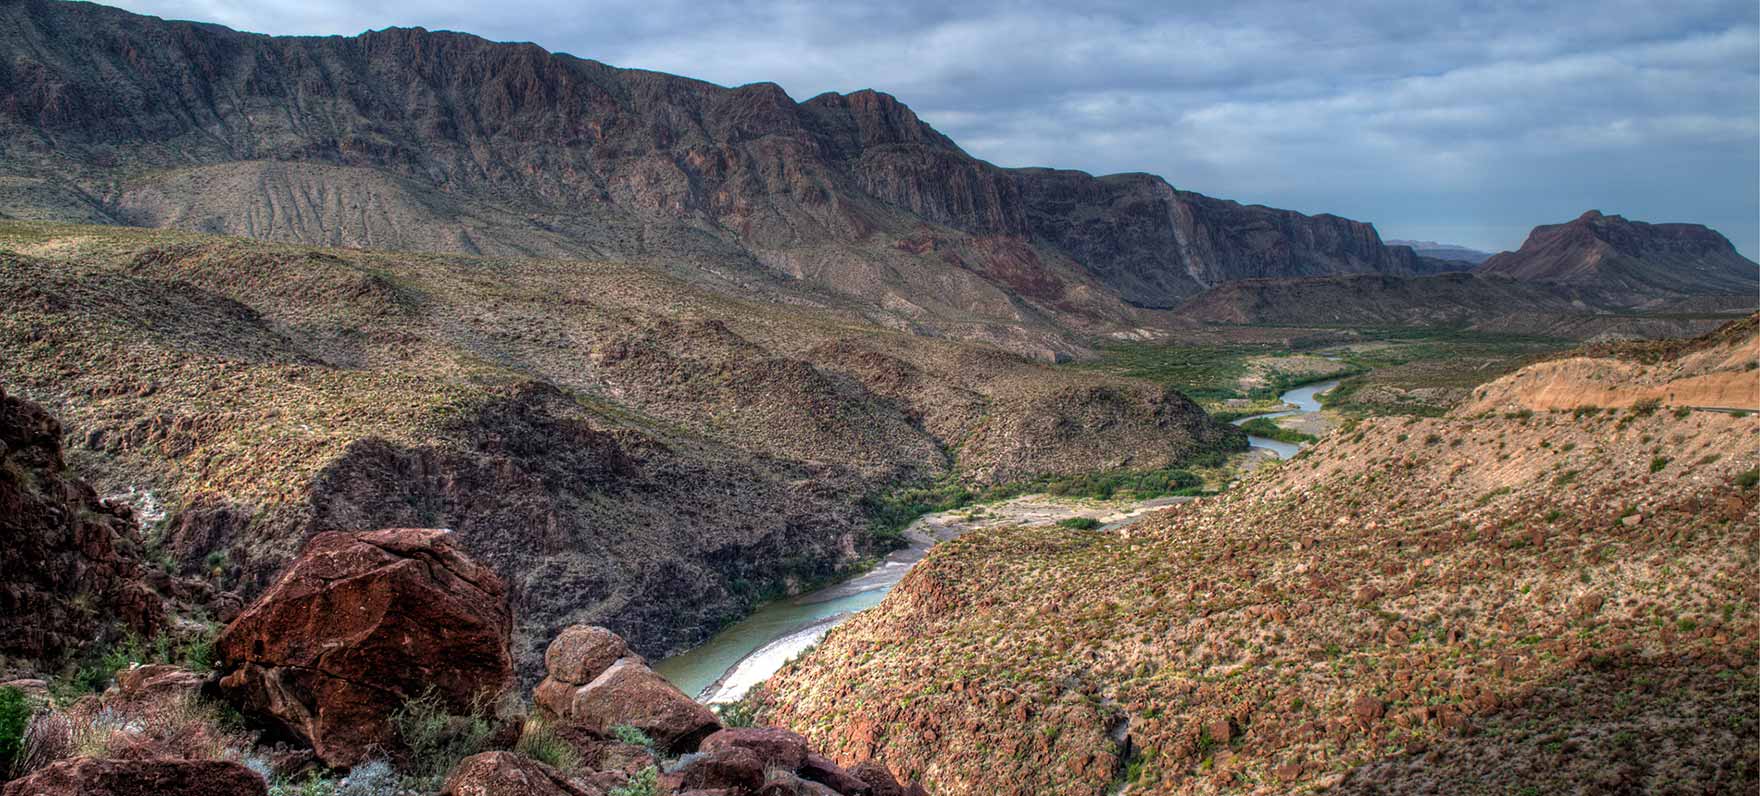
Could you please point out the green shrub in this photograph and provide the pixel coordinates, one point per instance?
(1748, 479)
(1657, 463)
(539, 741)
(1265, 427)
(436, 739)
(743, 713)
(643, 783)
(1646, 407)
(631, 735)
(1079, 523)
(15, 715)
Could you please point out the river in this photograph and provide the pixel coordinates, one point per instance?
(1305, 399)
(749, 651)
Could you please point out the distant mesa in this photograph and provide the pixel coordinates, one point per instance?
(1633, 259)
(1443, 251)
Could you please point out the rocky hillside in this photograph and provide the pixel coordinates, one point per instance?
(443, 142)
(1504, 600)
(1641, 262)
(623, 447)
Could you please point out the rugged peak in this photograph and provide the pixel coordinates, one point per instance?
(880, 119)
(1641, 260)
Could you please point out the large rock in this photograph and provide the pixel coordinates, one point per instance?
(88, 777)
(595, 684)
(509, 774)
(69, 562)
(360, 624)
(777, 748)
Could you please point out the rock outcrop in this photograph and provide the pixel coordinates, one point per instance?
(1642, 263)
(88, 777)
(359, 625)
(596, 684)
(70, 569)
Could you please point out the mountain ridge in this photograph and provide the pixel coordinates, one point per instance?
(459, 144)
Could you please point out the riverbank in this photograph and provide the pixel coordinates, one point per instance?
(1304, 416)
(749, 651)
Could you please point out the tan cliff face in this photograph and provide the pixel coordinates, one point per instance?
(1397, 608)
(1722, 372)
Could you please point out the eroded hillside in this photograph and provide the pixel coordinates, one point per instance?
(1500, 600)
(626, 448)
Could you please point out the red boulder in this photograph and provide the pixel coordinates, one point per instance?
(360, 624)
(88, 777)
(596, 684)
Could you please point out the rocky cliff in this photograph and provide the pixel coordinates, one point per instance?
(70, 564)
(1640, 262)
(1506, 599)
(445, 142)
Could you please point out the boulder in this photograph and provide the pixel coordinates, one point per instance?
(360, 624)
(822, 770)
(880, 781)
(509, 774)
(736, 770)
(581, 652)
(775, 748)
(88, 777)
(782, 783)
(582, 694)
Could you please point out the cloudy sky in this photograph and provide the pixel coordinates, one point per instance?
(1467, 121)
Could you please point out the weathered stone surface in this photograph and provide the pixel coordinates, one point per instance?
(782, 783)
(738, 770)
(510, 774)
(776, 748)
(581, 652)
(360, 624)
(823, 770)
(629, 693)
(88, 777)
(880, 781)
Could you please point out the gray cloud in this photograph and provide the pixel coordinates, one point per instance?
(1468, 121)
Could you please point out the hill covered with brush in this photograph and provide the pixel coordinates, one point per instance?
(625, 447)
(1527, 595)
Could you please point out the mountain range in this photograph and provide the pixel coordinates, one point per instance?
(1442, 251)
(433, 141)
